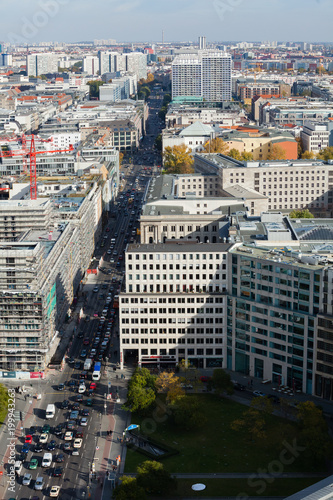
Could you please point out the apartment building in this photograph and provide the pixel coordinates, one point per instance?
(42, 63)
(206, 74)
(288, 185)
(90, 65)
(250, 90)
(173, 306)
(132, 62)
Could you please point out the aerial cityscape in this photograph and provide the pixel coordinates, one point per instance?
(166, 250)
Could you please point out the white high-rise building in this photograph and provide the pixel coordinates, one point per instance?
(136, 62)
(6, 60)
(40, 64)
(91, 65)
(202, 42)
(133, 62)
(206, 74)
(109, 62)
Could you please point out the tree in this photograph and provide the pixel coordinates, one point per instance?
(121, 157)
(94, 86)
(253, 421)
(299, 147)
(154, 479)
(247, 156)
(129, 489)
(326, 154)
(187, 413)
(141, 392)
(150, 78)
(217, 145)
(178, 160)
(314, 432)
(158, 142)
(234, 153)
(170, 383)
(277, 153)
(221, 381)
(301, 214)
(307, 155)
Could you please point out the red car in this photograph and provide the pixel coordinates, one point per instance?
(28, 438)
(92, 386)
(86, 342)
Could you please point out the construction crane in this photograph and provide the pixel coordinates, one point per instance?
(32, 156)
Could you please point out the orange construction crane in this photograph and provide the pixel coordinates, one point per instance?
(32, 155)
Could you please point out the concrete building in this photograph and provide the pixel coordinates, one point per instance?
(316, 136)
(194, 137)
(206, 74)
(41, 272)
(288, 185)
(42, 63)
(90, 65)
(132, 62)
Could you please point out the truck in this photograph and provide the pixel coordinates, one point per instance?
(50, 411)
(97, 371)
(87, 364)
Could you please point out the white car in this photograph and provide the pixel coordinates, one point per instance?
(84, 421)
(77, 443)
(82, 388)
(43, 438)
(68, 436)
(26, 479)
(54, 491)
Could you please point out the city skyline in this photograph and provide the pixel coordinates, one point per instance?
(144, 20)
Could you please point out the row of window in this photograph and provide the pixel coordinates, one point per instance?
(179, 331)
(172, 300)
(177, 256)
(173, 310)
(175, 288)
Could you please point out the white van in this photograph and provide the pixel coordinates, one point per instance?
(18, 467)
(50, 411)
(47, 460)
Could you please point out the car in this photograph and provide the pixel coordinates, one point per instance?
(100, 357)
(64, 405)
(18, 467)
(38, 448)
(25, 449)
(26, 479)
(59, 458)
(68, 436)
(46, 429)
(61, 387)
(239, 387)
(84, 421)
(83, 353)
(205, 378)
(28, 438)
(82, 388)
(52, 445)
(39, 483)
(95, 289)
(58, 471)
(54, 491)
(111, 262)
(93, 385)
(71, 361)
(109, 252)
(93, 352)
(70, 425)
(110, 270)
(43, 438)
(118, 264)
(104, 286)
(115, 252)
(77, 443)
(72, 383)
(258, 394)
(85, 412)
(76, 405)
(58, 430)
(78, 398)
(33, 464)
(80, 335)
(78, 365)
(66, 447)
(86, 341)
(74, 415)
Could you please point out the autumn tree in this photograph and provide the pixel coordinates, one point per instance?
(307, 155)
(170, 384)
(217, 145)
(234, 153)
(253, 422)
(299, 147)
(277, 153)
(247, 156)
(178, 160)
(301, 214)
(326, 154)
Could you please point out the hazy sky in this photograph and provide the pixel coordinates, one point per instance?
(28, 21)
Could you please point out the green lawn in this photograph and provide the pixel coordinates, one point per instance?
(216, 448)
(241, 487)
(3, 403)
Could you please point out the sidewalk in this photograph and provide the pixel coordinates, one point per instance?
(108, 448)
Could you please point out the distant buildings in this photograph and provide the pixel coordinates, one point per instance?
(206, 74)
(132, 62)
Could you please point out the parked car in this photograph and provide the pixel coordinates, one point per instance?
(39, 483)
(59, 458)
(54, 491)
(258, 394)
(26, 479)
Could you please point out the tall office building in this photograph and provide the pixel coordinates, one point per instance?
(40, 64)
(202, 42)
(206, 74)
